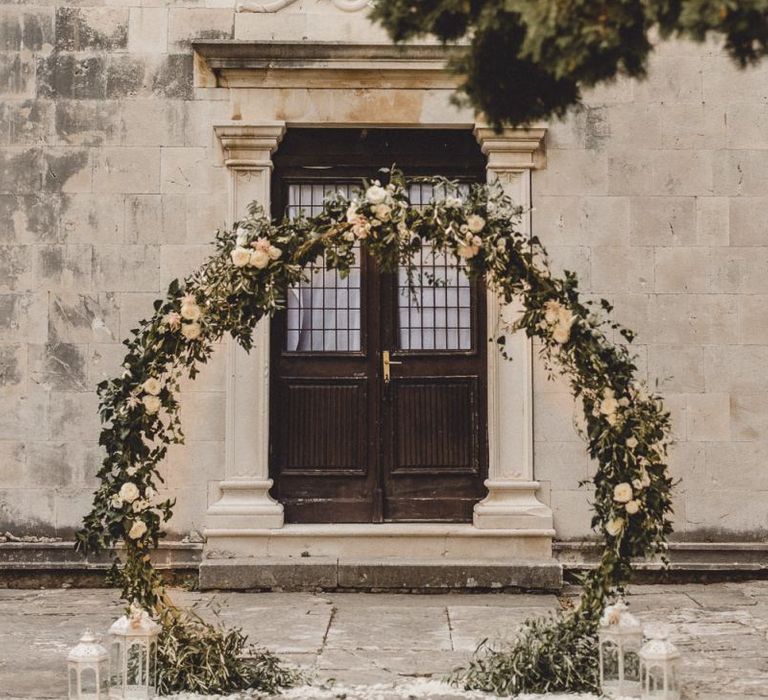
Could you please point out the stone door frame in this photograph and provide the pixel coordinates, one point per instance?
(258, 76)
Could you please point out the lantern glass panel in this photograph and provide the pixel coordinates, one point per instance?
(133, 669)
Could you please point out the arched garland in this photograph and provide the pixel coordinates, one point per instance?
(626, 429)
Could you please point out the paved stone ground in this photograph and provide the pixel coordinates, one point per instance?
(363, 645)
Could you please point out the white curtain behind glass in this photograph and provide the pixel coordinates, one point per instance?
(324, 311)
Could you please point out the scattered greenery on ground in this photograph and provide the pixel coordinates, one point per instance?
(527, 60)
(626, 428)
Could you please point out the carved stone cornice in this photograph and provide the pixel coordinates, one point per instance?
(277, 5)
(276, 64)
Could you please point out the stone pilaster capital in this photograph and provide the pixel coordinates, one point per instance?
(513, 149)
(249, 146)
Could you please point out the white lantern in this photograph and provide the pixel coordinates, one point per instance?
(660, 670)
(620, 637)
(134, 656)
(88, 668)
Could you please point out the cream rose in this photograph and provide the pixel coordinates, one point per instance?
(240, 257)
(149, 492)
(382, 211)
(274, 253)
(622, 493)
(116, 501)
(632, 507)
(151, 403)
(259, 258)
(138, 529)
(129, 492)
(609, 404)
(191, 331)
(452, 203)
(352, 214)
(615, 526)
(190, 311)
(631, 443)
(376, 194)
(152, 386)
(552, 311)
(476, 223)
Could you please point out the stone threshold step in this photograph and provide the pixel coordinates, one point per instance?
(428, 575)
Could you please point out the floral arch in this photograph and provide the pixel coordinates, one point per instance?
(626, 428)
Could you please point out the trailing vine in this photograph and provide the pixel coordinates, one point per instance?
(625, 427)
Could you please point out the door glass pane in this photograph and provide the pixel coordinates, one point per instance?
(434, 311)
(323, 312)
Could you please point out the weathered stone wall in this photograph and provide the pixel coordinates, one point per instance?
(656, 194)
(110, 186)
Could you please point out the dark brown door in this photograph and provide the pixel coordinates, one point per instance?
(378, 386)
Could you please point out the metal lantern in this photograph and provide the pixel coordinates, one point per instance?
(134, 656)
(620, 637)
(660, 670)
(88, 669)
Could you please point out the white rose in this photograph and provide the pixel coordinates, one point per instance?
(274, 253)
(131, 471)
(632, 443)
(376, 194)
(352, 213)
(614, 527)
(116, 501)
(259, 259)
(348, 236)
(190, 311)
(129, 492)
(139, 505)
(622, 493)
(152, 386)
(476, 223)
(240, 256)
(149, 492)
(382, 211)
(632, 507)
(151, 403)
(191, 331)
(452, 203)
(138, 529)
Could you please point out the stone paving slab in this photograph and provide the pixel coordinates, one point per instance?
(368, 646)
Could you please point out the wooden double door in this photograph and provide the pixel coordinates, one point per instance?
(378, 384)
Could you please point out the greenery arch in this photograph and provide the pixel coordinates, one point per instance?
(626, 428)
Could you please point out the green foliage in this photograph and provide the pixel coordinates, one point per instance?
(556, 653)
(529, 59)
(196, 656)
(626, 428)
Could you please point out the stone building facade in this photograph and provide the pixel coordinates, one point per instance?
(132, 130)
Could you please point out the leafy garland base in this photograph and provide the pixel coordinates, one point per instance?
(626, 428)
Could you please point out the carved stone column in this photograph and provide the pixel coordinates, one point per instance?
(245, 503)
(511, 501)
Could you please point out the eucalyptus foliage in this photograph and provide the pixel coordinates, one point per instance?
(530, 59)
(246, 279)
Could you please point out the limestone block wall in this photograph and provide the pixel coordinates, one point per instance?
(655, 193)
(109, 188)
(110, 185)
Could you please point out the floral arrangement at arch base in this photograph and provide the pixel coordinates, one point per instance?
(626, 428)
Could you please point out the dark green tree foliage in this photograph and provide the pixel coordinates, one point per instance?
(527, 60)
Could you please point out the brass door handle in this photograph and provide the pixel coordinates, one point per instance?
(386, 365)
